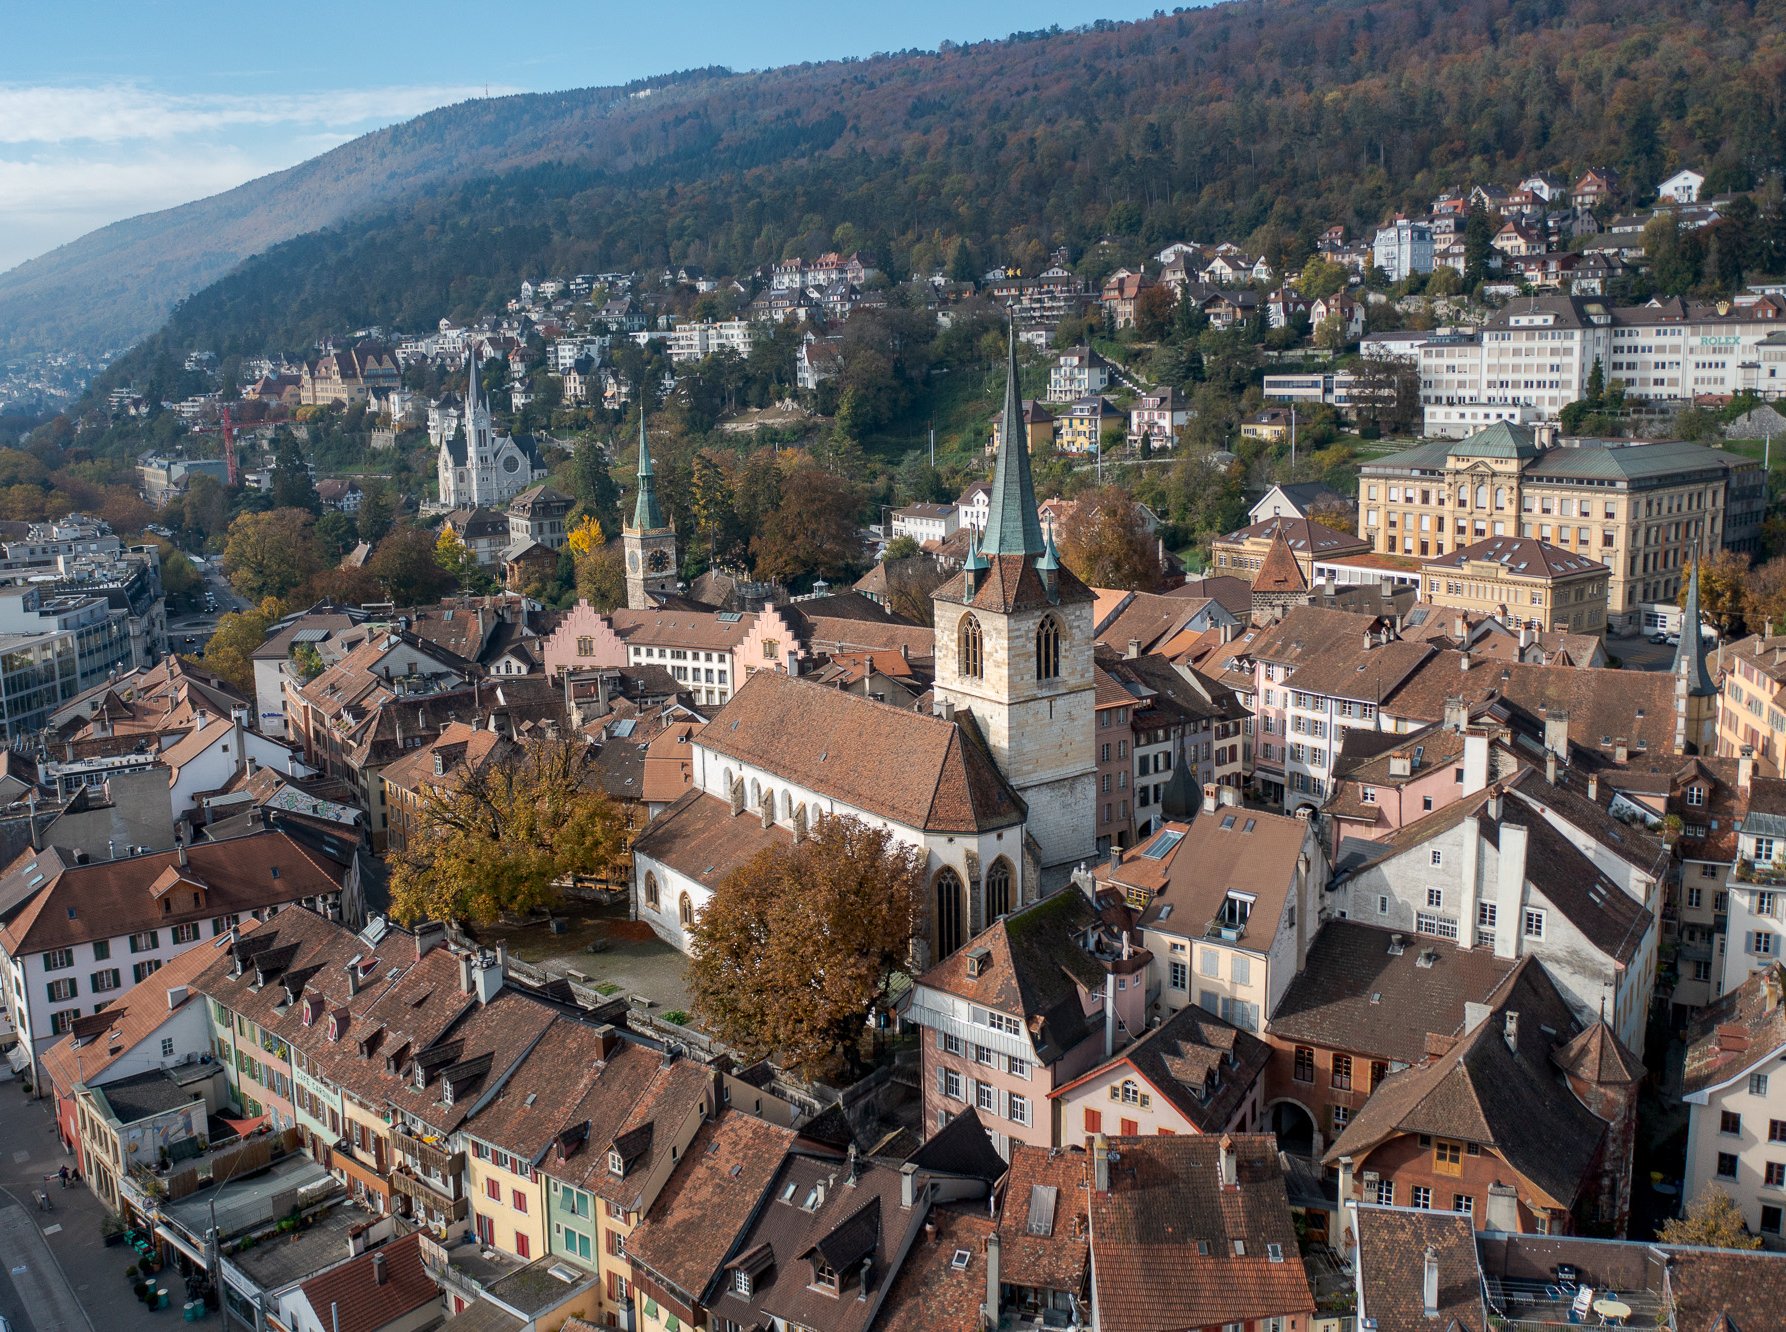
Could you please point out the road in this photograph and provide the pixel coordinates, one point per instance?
(190, 633)
(55, 1275)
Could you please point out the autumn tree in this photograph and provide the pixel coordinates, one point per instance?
(586, 536)
(799, 944)
(272, 554)
(506, 835)
(1764, 597)
(1155, 309)
(601, 577)
(406, 568)
(1722, 582)
(1107, 543)
(813, 528)
(230, 653)
(1713, 1221)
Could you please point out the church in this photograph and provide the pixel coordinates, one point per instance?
(995, 784)
(476, 466)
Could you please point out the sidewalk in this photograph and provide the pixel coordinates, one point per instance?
(88, 1275)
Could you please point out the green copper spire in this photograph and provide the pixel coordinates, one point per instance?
(1012, 527)
(1689, 656)
(647, 517)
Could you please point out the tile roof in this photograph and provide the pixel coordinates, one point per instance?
(1011, 583)
(1525, 556)
(914, 769)
(1309, 633)
(1204, 1066)
(49, 900)
(816, 1211)
(699, 836)
(376, 1289)
(1044, 1219)
(1743, 1288)
(1279, 571)
(1502, 1094)
(935, 1291)
(1355, 994)
(1228, 848)
(1148, 617)
(1164, 1206)
(1035, 970)
(1304, 536)
(1392, 1247)
(708, 1200)
(132, 1017)
(1737, 1031)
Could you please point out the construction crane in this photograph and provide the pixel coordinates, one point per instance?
(226, 427)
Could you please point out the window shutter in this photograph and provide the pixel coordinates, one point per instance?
(939, 1038)
(942, 1082)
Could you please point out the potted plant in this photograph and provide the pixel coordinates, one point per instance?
(130, 1273)
(111, 1230)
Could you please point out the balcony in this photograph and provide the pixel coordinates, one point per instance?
(465, 1266)
(427, 1196)
(427, 1158)
(363, 1179)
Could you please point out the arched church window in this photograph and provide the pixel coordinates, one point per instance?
(685, 911)
(946, 927)
(972, 648)
(998, 889)
(1048, 649)
(651, 891)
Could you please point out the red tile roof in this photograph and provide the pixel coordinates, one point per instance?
(374, 1290)
(1172, 1249)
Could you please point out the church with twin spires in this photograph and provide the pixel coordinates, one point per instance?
(995, 784)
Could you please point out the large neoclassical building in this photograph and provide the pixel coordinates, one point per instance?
(996, 785)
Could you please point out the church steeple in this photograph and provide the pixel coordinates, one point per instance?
(1689, 656)
(647, 517)
(1012, 527)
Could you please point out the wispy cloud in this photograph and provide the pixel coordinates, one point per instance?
(123, 112)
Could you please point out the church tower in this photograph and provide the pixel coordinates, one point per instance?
(1014, 649)
(1695, 691)
(649, 541)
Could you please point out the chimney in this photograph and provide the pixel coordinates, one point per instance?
(1525, 639)
(1429, 1282)
(1460, 628)
(1494, 804)
(1556, 733)
(1210, 797)
(1510, 1029)
(380, 1275)
(180, 848)
(1745, 768)
(465, 983)
(1475, 761)
(1620, 750)
(1134, 648)
(607, 1041)
(992, 1275)
(429, 935)
(1503, 1209)
(1550, 767)
(1227, 1168)
(353, 975)
(1109, 1015)
(489, 971)
(1594, 786)
(908, 1184)
(1457, 713)
(1228, 796)
(1100, 1162)
(1345, 1180)
(1463, 660)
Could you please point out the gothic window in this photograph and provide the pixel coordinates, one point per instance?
(756, 794)
(685, 911)
(947, 926)
(651, 891)
(998, 889)
(972, 648)
(1048, 649)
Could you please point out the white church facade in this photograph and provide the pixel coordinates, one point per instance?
(475, 465)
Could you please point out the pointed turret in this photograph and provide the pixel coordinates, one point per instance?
(471, 388)
(1012, 527)
(974, 565)
(1689, 656)
(647, 517)
(1049, 565)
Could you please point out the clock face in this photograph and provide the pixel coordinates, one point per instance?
(660, 561)
(632, 561)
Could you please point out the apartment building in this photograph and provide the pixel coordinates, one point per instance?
(1538, 352)
(1751, 677)
(1734, 1086)
(1523, 581)
(1079, 373)
(1644, 510)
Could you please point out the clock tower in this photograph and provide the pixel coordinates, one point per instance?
(649, 541)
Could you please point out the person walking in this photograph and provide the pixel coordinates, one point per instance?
(62, 1172)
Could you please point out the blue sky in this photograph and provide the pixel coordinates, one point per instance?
(120, 107)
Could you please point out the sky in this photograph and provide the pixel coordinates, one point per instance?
(119, 107)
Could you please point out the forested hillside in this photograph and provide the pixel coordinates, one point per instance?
(1267, 119)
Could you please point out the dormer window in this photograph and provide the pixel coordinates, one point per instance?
(741, 1283)
(335, 1026)
(616, 1166)
(824, 1276)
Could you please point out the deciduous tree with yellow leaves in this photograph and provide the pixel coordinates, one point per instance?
(506, 834)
